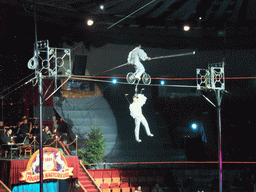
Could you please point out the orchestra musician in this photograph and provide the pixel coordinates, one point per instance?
(1, 129)
(35, 131)
(25, 129)
(6, 138)
(46, 135)
(1, 126)
(8, 143)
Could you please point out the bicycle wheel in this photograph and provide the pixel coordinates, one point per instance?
(146, 78)
(130, 78)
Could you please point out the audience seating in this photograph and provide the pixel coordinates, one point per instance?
(98, 177)
(133, 177)
(107, 177)
(125, 187)
(104, 187)
(133, 186)
(114, 187)
(119, 180)
(115, 175)
(91, 172)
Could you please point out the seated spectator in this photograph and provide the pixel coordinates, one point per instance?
(138, 189)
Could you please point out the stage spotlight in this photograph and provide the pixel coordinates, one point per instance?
(102, 7)
(114, 81)
(90, 22)
(162, 82)
(186, 27)
(194, 125)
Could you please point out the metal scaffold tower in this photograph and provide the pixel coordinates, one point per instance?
(213, 78)
(48, 63)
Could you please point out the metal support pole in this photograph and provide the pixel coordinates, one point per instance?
(2, 118)
(40, 91)
(219, 144)
(76, 144)
(34, 142)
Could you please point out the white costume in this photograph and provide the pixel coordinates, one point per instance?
(136, 113)
(134, 57)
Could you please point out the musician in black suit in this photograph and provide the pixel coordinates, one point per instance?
(1, 130)
(6, 138)
(24, 129)
(8, 144)
(46, 135)
(1, 126)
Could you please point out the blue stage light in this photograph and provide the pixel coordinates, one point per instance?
(114, 81)
(162, 82)
(194, 125)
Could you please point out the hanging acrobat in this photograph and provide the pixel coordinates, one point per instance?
(136, 112)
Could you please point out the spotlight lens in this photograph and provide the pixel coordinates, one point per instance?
(114, 81)
(186, 28)
(90, 22)
(194, 126)
(162, 82)
(101, 7)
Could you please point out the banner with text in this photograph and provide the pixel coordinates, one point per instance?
(54, 166)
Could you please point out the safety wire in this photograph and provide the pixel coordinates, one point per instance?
(14, 85)
(131, 14)
(105, 81)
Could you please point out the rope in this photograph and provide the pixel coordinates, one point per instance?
(14, 85)
(56, 141)
(104, 81)
(157, 78)
(22, 146)
(131, 14)
(29, 145)
(70, 143)
(50, 144)
(176, 162)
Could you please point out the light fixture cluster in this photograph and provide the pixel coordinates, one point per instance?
(114, 81)
(90, 20)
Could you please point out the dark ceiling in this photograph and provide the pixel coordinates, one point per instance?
(157, 23)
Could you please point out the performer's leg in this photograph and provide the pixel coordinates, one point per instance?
(145, 124)
(137, 129)
(140, 70)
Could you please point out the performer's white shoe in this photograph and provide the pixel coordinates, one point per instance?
(151, 135)
(138, 140)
